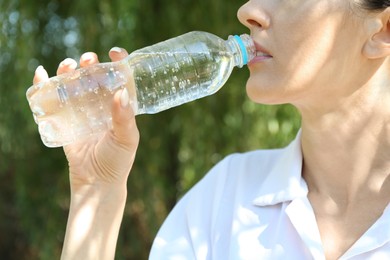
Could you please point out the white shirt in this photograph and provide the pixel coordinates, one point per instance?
(254, 206)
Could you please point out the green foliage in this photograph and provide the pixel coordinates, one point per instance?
(172, 157)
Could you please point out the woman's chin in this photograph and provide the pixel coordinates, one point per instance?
(264, 94)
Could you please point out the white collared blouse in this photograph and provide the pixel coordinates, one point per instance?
(255, 206)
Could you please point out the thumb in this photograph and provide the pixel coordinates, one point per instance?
(117, 53)
(116, 151)
(125, 131)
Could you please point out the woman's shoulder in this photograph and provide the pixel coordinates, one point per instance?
(233, 182)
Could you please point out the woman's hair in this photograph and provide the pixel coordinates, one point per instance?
(374, 5)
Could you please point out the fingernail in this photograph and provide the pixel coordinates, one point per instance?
(125, 98)
(39, 68)
(116, 49)
(68, 62)
(87, 57)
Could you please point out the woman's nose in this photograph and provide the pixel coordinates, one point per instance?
(253, 16)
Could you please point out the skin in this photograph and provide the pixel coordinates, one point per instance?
(99, 168)
(324, 58)
(340, 84)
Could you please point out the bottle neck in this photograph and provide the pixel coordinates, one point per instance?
(243, 49)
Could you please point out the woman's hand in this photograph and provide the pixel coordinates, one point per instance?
(99, 167)
(105, 159)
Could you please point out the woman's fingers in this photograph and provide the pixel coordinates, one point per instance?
(66, 65)
(88, 58)
(40, 75)
(117, 53)
(69, 64)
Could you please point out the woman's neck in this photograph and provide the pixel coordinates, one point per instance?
(346, 144)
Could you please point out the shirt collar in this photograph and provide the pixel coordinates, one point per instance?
(284, 182)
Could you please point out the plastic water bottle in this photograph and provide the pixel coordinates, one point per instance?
(75, 105)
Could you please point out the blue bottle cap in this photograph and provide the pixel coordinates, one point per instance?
(243, 49)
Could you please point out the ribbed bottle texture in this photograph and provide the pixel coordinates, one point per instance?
(75, 105)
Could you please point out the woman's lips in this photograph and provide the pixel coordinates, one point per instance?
(261, 54)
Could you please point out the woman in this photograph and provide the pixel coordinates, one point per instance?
(323, 197)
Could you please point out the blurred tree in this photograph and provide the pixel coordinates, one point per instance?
(34, 192)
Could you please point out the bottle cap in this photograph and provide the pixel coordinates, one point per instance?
(243, 49)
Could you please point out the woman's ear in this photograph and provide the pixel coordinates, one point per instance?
(378, 45)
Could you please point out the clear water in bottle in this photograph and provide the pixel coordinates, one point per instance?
(75, 105)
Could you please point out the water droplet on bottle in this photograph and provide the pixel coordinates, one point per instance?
(182, 84)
